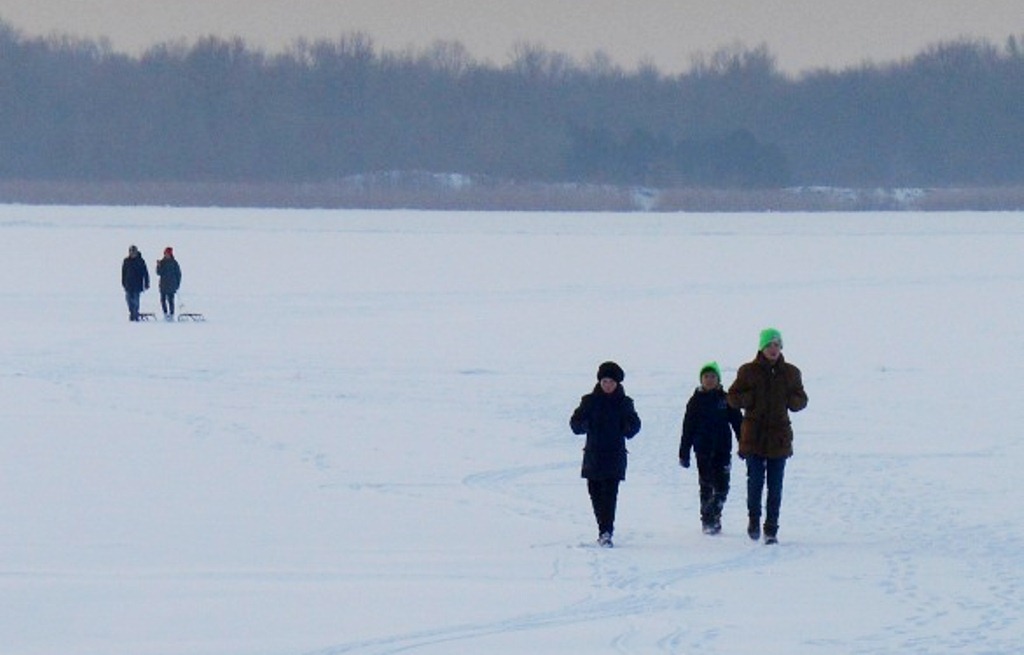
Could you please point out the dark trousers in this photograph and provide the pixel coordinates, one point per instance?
(132, 298)
(604, 495)
(167, 302)
(759, 471)
(713, 473)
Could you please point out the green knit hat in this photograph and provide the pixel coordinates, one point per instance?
(713, 367)
(767, 336)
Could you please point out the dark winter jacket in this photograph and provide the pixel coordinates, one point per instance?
(608, 419)
(707, 423)
(170, 274)
(766, 393)
(134, 274)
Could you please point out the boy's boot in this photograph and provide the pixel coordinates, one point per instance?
(754, 527)
(771, 533)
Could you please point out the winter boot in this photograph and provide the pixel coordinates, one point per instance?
(754, 528)
(604, 540)
(771, 533)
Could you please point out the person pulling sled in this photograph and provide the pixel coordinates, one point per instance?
(134, 280)
(169, 272)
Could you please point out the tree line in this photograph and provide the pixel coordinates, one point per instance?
(217, 110)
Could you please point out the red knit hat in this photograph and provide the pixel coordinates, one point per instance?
(169, 251)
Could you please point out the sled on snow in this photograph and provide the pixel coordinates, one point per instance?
(190, 315)
(184, 316)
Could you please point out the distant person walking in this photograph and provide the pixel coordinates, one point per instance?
(169, 272)
(766, 389)
(134, 280)
(607, 416)
(708, 427)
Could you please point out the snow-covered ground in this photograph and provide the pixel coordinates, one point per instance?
(365, 449)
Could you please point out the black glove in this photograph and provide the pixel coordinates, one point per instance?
(684, 462)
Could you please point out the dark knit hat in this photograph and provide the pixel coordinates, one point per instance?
(611, 370)
(169, 251)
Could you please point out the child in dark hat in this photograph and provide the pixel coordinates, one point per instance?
(134, 280)
(706, 430)
(607, 417)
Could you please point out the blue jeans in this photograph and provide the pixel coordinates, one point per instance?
(758, 469)
(132, 298)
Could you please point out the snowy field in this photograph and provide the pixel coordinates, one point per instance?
(365, 448)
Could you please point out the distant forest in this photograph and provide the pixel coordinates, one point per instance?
(219, 111)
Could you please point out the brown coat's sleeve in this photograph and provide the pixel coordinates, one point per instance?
(797, 399)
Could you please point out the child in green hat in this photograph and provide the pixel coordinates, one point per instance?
(708, 428)
(767, 389)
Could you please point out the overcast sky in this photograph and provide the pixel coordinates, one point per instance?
(802, 34)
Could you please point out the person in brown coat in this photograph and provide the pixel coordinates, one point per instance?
(766, 389)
